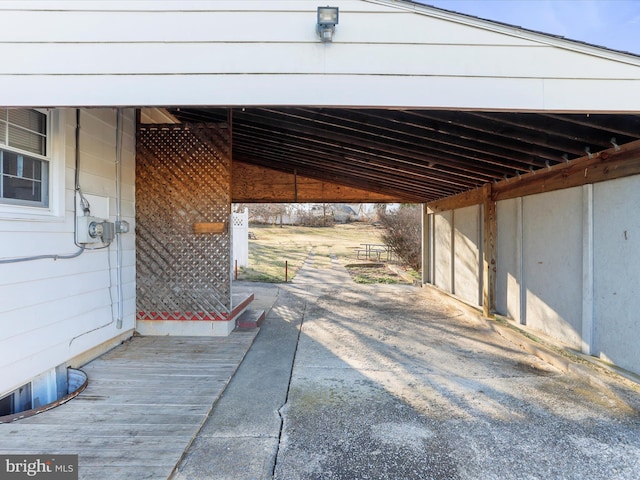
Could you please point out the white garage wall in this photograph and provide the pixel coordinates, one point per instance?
(616, 270)
(552, 263)
(509, 263)
(442, 251)
(567, 265)
(540, 262)
(457, 249)
(467, 271)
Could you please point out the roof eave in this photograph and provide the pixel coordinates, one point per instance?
(513, 30)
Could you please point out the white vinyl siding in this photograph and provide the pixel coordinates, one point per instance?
(384, 53)
(54, 311)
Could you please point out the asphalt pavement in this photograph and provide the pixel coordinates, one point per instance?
(348, 381)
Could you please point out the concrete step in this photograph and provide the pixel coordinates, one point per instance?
(250, 319)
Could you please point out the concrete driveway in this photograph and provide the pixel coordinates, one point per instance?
(347, 381)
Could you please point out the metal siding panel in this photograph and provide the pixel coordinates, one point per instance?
(307, 90)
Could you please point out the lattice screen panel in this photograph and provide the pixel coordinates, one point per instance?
(183, 177)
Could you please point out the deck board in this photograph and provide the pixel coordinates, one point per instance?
(145, 401)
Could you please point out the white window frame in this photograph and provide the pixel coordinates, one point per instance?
(56, 187)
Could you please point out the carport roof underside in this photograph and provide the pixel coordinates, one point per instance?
(418, 155)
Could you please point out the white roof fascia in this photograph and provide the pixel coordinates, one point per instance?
(512, 30)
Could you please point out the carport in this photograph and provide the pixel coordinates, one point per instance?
(450, 160)
(523, 147)
(483, 147)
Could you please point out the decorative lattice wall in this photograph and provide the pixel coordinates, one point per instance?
(183, 177)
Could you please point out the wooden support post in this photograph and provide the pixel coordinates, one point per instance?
(489, 252)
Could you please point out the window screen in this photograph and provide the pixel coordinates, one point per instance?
(24, 168)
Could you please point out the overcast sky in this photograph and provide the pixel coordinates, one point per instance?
(613, 24)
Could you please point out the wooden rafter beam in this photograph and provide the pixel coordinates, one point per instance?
(295, 127)
(303, 154)
(627, 125)
(599, 167)
(554, 131)
(345, 176)
(438, 138)
(488, 140)
(461, 200)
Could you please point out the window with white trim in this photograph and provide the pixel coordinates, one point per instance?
(24, 157)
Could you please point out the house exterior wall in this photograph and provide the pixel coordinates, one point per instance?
(567, 264)
(105, 53)
(57, 312)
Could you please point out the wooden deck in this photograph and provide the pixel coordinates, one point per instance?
(145, 402)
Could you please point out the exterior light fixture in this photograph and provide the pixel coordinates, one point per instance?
(327, 21)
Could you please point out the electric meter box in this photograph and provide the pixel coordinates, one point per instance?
(94, 230)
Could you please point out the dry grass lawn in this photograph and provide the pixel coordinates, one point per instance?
(276, 245)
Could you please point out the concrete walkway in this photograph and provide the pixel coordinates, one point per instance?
(346, 381)
(242, 435)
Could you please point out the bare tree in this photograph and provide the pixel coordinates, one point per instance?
(403, 233)
(268, 212)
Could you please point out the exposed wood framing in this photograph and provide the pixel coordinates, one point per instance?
(606, 165)
(461, 200)
(489, 251)
(419, 155)
(252, 183)
(619, 162)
